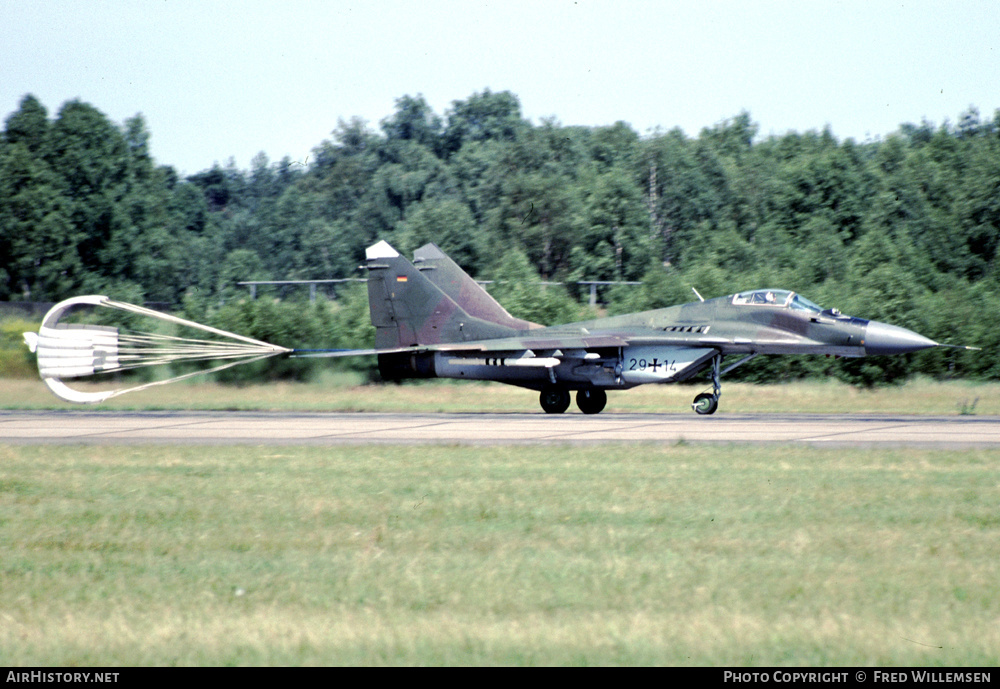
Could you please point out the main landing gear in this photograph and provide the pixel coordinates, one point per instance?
(591, 400)
(555, 400)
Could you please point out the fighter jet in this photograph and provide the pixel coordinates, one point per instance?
(432, 320)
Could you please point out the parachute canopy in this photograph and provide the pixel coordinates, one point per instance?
(79, 350)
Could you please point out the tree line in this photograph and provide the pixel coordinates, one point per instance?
(902, 229)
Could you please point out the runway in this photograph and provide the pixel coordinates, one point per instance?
(295, 428)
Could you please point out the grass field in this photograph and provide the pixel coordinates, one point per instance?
(343, 393)
(602, 555)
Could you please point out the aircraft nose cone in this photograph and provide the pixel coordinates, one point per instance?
(882, 338)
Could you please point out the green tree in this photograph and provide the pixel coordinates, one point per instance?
(28, 126)
(448, 223)
(485, 116)
(88, 155)
(414, 120)
(614, 242)
(519, 288)
(685, 189)
(37, 235)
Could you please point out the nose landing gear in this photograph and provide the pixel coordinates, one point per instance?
(706, 403)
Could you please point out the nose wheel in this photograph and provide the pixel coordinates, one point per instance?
(707, 402)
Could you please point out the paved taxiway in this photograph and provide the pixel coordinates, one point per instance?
(293, 428)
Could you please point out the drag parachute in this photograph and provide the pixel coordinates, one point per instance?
(81, 350)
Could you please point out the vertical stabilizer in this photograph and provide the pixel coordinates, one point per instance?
(466, 292)
(408, 309)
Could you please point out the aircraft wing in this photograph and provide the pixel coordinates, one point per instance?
(506, 345)
(672, 357)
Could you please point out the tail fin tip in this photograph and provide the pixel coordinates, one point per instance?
(428, 252)
(380, 250)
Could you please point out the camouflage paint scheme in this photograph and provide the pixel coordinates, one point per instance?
(433, 320)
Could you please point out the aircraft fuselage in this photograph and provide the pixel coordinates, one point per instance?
(663, 345)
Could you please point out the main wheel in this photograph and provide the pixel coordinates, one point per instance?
(705, 403)
(554, 400)
(591, 400)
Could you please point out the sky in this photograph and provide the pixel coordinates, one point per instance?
(219, 81)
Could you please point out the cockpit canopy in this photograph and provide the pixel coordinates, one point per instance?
(776, 297)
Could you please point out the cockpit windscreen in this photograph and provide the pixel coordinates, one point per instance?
(777, 297)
